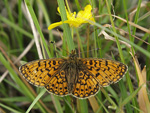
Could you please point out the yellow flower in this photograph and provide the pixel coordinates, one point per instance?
(74, 20)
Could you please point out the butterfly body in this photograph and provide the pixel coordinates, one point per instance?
(72, 67)
(80, 77)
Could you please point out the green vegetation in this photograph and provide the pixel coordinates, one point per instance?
(120, 32)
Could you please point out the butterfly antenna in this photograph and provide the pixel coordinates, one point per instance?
(52, 42)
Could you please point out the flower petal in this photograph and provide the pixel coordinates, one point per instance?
(73, 23)
(85, 12)
(85, 15)
(55, 25)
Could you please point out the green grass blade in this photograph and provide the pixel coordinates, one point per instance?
(9, 108)
(83, 106)
(17, 80)
(57, 104)
(36, 100)
(145, 52)
(129, 98)
(66, 28)
(14, 26)
(37, 26)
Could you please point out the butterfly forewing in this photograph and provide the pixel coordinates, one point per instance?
(106, 71)
(40, 72)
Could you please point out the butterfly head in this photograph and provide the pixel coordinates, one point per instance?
(73, 55)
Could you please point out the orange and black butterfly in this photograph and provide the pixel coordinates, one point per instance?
(80, 77)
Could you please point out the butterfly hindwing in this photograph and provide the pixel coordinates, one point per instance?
(58, 84)
(86, 85)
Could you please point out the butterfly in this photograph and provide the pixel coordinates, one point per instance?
(80, 77)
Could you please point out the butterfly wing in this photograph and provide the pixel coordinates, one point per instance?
(40, 72)
(58, 84)
(86, 85)
(105, 71)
